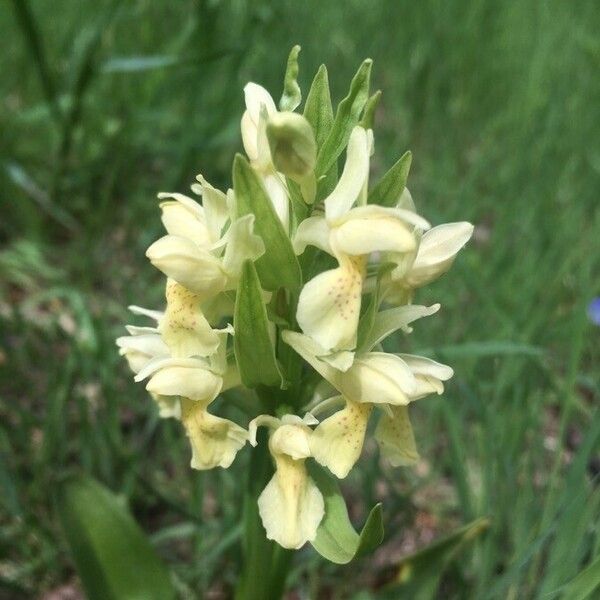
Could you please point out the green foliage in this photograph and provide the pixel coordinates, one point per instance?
(368, 118)
(585, 584)
(346, 118)
(318, 109)
(114, 559)
(336, 539)
(388, 190)
(254, 350)
(278, 266)
(419, 574)
(292, 96)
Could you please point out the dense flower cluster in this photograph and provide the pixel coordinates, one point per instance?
(360, 262)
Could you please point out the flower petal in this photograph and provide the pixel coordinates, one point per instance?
(216, 207)
(169, 407)
(140, 349)
(437, 251)
(215, 441)
(278, 194)
(354, 176)
(395, 437)
(337, 441)
(313, 231)
(184, 217)
(146, 312)
(374, 378)
(182, 260)
(379, 378)
(242, 244)
(310, 351)
(372, 228)
(291, 439)
(184, 328)
(429, 375)
(190, 382)
(329, 305)
(255, 97)
(291, 506)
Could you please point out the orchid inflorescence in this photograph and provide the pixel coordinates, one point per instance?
(283, 289)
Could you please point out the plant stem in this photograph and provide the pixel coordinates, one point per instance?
(265, 564)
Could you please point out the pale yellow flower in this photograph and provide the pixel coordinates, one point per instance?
(434, 255)
(196, 253)
(375, 378)
(143, 345)
(259, 107)
(196, 382)
(291, 506)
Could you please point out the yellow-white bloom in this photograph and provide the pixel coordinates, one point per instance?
(291, 506)
(197, 382)
(184, 328)
(143, 345)
(196, 253)
(435, 254)
(329, 304)
(375, 378)
(394, 432)
(259, 107)
(395, 437)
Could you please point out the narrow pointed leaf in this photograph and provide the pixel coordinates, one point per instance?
(367, 319)
(114, 559)
(336, 539)
(292, 96)
(585, 584)
(388, 190)
(318, 109)
(419, 574)
(278, 266)
(254, 350)
(347, 117)
(368, 118)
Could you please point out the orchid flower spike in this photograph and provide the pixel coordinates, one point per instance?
(255, 324)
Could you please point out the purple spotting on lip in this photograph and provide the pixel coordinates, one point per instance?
(594, 311)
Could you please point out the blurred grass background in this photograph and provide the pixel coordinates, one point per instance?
(103, 104)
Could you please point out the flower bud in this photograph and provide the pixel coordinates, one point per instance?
(292, 144)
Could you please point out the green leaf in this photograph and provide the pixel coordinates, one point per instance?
(419, 574)
(252, 344)
(388, 190)
(584, 585)
(318, 109)
(367, 319)
(114, 559)
(278, 266)
(346, 117)
(368, 117)
(292, 96)
(336, 539)
(567, 552)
